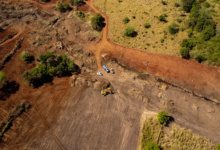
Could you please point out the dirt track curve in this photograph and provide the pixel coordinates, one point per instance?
(202, 79)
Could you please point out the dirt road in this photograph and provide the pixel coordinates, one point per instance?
(199, 78)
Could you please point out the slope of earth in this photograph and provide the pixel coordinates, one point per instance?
(202, 79)
(70, 112)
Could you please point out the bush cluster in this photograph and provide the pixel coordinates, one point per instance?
(63, 7)
(163, 118)
(50, 66)
(152, 146)
(187, 4)
(26, 57)
(98, 22)
(130, 32)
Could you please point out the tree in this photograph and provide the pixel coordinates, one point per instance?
(187, 5)
(2, 79)
(130, 32)
(163, 118)
(98, 22)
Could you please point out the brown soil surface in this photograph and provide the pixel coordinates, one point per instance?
(200, 78)
(76, 116)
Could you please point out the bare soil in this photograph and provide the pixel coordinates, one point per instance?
(70, 113)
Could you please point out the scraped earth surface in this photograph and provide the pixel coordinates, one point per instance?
(70, 113)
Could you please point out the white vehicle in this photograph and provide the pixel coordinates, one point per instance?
(99, 73)
(106, 68)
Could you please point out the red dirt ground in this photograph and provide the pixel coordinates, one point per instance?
(200, 78)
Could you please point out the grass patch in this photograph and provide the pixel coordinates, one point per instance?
(172, 138)
(145, 18)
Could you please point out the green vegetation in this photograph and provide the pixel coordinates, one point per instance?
(173, 28)
(2, 79)
(98, 22)
(163, 118)
(184, 52)
(218, 147)
(80, 14)
(203, 42)
(171, 138)
(63, 7)
(77, 2)
(126, 20)
(26, 57)
(187, 5)
(163, 18)
(50, 66)
(147, 25)
(152, 146)
(130, 32)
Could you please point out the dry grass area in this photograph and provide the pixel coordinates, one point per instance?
(174, 137)
(157, 38)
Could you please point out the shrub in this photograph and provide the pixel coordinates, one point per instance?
(77, 2)
(163, 18)
(152, 146)
(208, 33)
(184, 52)
(130, 32)
(98, 22)
(44, 57)
(2, 79)
(188, 43)
(164, 2)
(187, 5)
(26, 57)
(177, 5)
(126, 20)
(63, 7)
(163, 118)
(173, 28)
(50, 66)
(200, 58)
(80, 14)
(38, 76)
(147, 25)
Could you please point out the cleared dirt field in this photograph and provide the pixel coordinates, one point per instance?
(72, 114)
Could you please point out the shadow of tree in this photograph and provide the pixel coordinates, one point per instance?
(8, 89)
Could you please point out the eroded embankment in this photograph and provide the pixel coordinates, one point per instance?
(202, 79)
